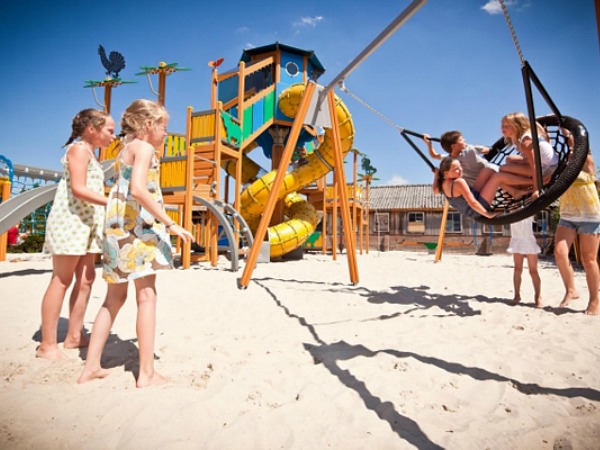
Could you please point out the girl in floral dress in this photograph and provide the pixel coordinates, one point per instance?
(74, 231)
(136, 238)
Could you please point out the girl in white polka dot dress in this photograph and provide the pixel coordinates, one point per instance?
(74, 231)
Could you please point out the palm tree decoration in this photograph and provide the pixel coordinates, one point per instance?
(162, 70)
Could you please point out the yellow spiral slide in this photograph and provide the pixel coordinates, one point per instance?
(292, 233)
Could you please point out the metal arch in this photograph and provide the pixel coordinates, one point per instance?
(237, 216)
(217, 208)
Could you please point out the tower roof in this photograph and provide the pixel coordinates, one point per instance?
(312, 58)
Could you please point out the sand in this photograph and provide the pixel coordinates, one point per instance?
(417, 355)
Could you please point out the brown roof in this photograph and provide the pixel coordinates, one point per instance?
(407, 197)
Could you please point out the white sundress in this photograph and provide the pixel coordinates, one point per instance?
(74, 226)
(522, 239)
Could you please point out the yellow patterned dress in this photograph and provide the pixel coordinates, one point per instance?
(135, 244)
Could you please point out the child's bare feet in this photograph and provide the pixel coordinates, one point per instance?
(516, 301)
(77, 342)
(50, 353)
(538, 302)
(592, 308)
(570, 295)
(155, 379)
(92, 374)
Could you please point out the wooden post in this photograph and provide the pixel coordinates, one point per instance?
(440, 244)
(107, 97)
(276, 187)
(341, 182)
(186, 249)
(324, 220)
(334, 216)
(6, 185)
(368, 216)
(162, 87)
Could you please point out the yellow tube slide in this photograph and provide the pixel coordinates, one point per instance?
(291, 234)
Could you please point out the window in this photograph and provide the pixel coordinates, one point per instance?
(416, 222)
(382, 222)
(495, 229)
(292, 69)
(453, 223)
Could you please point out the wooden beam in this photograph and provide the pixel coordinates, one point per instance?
(286, 157)
(341, 182)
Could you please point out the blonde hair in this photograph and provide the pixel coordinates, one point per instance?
(521, 123)
(142, 114)
(84, 119)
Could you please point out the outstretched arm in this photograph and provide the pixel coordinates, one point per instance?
(432, 152)
(461, 187)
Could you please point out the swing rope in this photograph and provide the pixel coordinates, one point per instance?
(403, 131)
(512, 31)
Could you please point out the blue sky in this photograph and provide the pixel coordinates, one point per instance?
(453, 65)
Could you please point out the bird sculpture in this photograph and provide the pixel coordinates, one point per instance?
(114, 63)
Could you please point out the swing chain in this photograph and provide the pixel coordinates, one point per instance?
(512, 31)
(343, 88)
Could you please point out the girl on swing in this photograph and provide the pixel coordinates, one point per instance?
(516, 130)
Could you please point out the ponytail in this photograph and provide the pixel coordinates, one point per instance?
(83, 119)
(444, 167)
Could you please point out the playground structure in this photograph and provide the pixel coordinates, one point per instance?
(271, 100)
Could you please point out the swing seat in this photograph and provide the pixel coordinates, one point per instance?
(514, 210)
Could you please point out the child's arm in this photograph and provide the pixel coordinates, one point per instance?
(527, 150)
(461, 187)
(432, 152)
(79, 158)
(142, 154)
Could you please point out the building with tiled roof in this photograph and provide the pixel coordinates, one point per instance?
(410, 217)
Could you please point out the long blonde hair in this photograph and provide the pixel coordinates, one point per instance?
(521, 123)
(142, 114)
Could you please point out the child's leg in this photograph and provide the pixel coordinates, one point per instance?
(63, 267)
(85, 273)
(517, 276)
(482, 178)
(589, 251)
(488, 192)
(532, 264)
(115, 298)
(563, 239)
(146, 328)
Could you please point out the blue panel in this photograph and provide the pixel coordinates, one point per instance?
(228, 89)
(258, 114)
(295, 61)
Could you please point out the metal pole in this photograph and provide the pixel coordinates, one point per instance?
(383, 36)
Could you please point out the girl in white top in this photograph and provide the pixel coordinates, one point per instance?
(516, 130)
(524, 245)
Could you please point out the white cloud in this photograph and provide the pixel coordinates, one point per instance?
(242, 30)
(396, 180)
(493, 6)
(309, 21)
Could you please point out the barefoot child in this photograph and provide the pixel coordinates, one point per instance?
(74, 230)
(523, 245)
(136, 239)
(580, 218)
